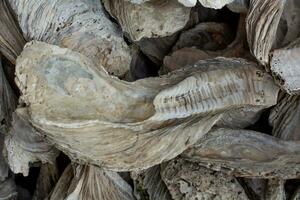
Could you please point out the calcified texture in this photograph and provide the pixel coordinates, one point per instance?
(247, 154)
(149, 185)
(150, 19)
(11, 39)
(285, 65)
(261, 23)
(89, 182)
(187, 181)
(25, 145)
(125, 127)
(79, 25)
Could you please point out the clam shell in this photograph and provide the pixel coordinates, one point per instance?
(187, 181)
(246, 153)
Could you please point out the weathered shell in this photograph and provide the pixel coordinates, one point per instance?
(65, 103)
(247, 154)
(149, 185)
(285, 67)
(188, 3)
(11, 39)
(285, 117)
(25, 145)
(206, 36)
(80, 25)
(89, 182)
(47, 179)
(187, 181)
(216, 4)
(150, 19)
(261, 24)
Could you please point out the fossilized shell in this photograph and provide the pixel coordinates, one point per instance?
(47, 179)
(261, 24)
(206, 36)
(80, 25)
(150, 19)
(187, 181)
(247, 154)
(239, 6)
(90, 182)
(275, 189)
(285, 117)
(285, 67)
(25, 145)
(11, 39)
(67, 95)
(149, 185)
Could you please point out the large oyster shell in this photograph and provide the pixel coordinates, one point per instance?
(67, 95)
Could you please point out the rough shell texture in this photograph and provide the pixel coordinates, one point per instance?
(150, 19)
(247, 154)
(80, 25)
(285, 117)
(149, 185)
(275, 189)
(261, 24)
(11, 39)
(25, 145)
(144, 116)
(285, 67)
(89, 182)
(189, 181)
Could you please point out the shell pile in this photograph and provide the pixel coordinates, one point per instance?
(150, 99)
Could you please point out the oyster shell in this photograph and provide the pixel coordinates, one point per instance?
(25, 145)
(90, 182)
(150, 19)
(60, 88)
(80, 25)
(187, 181)
(247, 154)
(285, 67)
(261, 25)
(216, 4)
(11, 39)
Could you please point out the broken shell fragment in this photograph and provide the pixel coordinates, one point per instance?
(79, 25)
(150, 19)
(186, 180)
(247, 154)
